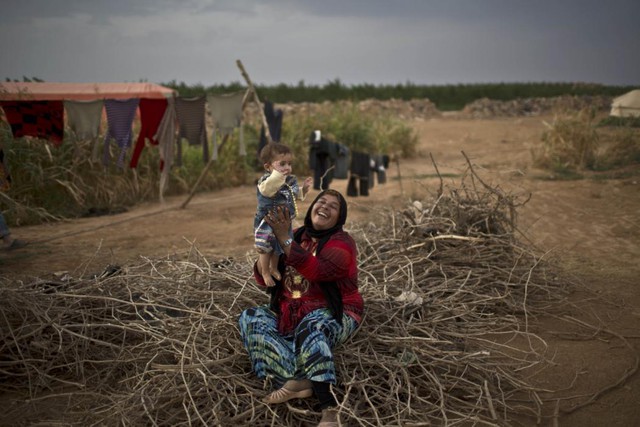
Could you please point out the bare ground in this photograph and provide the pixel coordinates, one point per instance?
(590, 227)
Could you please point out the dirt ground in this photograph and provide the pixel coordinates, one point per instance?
(590, 226)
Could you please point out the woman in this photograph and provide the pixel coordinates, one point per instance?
(314, 307)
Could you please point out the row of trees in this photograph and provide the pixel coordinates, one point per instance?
(446, 97)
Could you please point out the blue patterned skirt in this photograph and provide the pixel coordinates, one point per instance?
(305, 354)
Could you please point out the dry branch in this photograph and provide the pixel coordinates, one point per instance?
(449, 296)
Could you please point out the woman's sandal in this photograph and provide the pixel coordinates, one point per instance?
(283, 395)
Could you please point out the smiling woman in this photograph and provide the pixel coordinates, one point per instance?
(314, 307)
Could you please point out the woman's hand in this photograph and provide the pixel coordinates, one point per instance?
(280, 222)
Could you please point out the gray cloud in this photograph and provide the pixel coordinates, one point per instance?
(357, 41)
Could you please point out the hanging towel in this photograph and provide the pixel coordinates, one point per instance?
(39, 119)
(120, 116)
(84, 119)
(226, 110)
(151, 113)
(192, 125)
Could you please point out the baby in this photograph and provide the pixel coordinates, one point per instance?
(275, 188)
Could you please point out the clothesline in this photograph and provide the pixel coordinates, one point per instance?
(163, 122)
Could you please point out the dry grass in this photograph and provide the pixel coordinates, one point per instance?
(570, 143)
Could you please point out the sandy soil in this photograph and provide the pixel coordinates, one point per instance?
(590, 226)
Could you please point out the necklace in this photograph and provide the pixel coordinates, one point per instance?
(293, 198)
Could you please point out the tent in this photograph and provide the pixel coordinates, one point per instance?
(46, 91)
(18, 91)
(627, 105)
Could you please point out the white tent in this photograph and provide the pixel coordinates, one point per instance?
(627, 105)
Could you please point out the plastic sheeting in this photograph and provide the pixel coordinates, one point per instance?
(627, 105)
(17, 91)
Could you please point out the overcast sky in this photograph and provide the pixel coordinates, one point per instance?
(317, 41)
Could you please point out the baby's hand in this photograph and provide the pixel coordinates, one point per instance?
(307, 184)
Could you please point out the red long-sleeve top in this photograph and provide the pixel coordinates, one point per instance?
(337, 263)
(151, 113)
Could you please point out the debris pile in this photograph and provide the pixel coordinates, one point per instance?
(487, 108)
(448, 289)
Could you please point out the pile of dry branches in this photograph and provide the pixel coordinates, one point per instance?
(449, 293)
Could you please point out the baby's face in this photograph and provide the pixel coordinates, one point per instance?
(282, 163)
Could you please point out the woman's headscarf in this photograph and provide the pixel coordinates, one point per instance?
(330, 289)
(323, 235)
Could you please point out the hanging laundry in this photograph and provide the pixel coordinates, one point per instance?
(166, 137)
(120, 116)
(226, 110)
(151, 113)
(274, 121)
(322, 156)
(342, 162)
(39, 119)
(314, 141)
(381, 169)
(84, 119)
(358, 184)
(5, 176)
(192, 125)
(372, 171)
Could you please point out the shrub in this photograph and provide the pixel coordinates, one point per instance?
(622, 149)
(569, 143)
(574, 143)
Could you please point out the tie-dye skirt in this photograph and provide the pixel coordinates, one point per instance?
(305, 354)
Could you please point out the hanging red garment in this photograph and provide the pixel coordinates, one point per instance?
(151, 113)
(39, 119)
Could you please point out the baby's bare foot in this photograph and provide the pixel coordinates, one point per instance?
(268, 281)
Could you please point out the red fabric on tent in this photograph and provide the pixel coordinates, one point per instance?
(17, 91)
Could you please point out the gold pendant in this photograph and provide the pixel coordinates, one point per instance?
(296, 294)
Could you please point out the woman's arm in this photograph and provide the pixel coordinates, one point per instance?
(336, 261)
(279, 219)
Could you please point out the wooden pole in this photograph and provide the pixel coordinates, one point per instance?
(397, 159)
(256, 99)
(202, 174)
